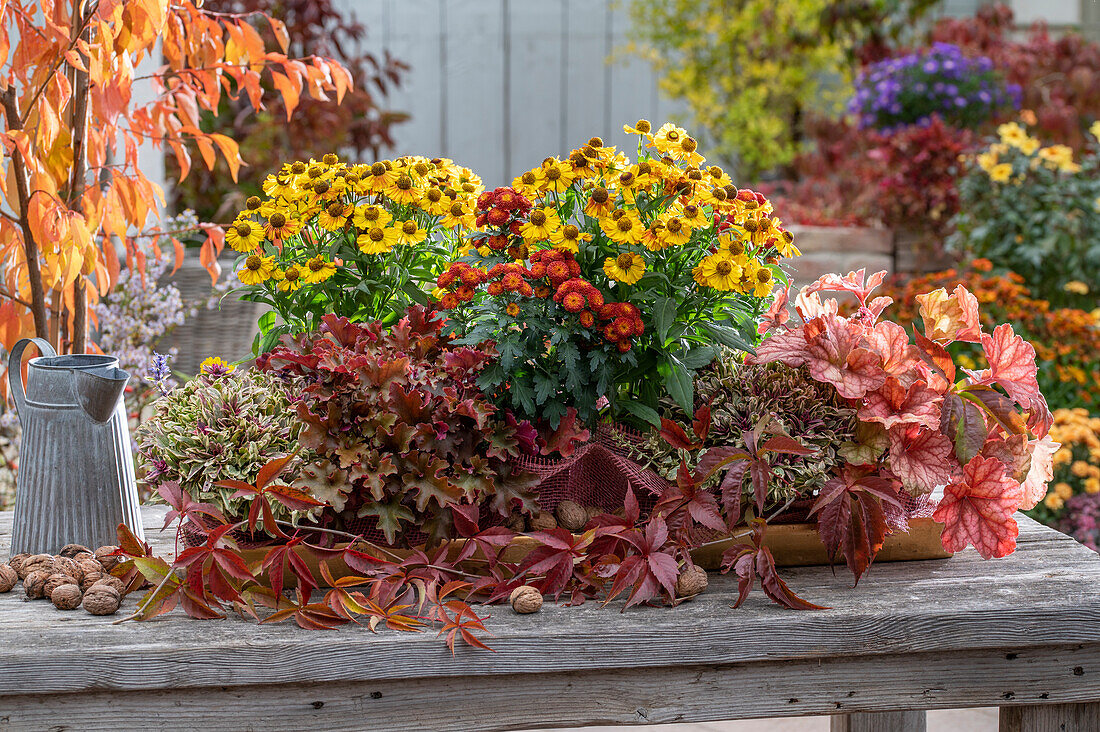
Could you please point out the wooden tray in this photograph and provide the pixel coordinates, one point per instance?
(792, 545)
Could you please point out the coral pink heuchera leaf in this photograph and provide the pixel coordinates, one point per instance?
(899, 356)
(950, 317)
(834, 355)
(786, 347)
(777, 315)
(978, 510)
(1012, 364)
(1040, 473)
(893, 404)
(922, 458)
(853, 282)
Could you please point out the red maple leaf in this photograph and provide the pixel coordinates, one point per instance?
(893, 404)
(978, 510)
(922, 458)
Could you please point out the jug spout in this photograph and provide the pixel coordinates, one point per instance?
(98, 391)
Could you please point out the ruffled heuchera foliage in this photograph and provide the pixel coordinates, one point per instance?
(983, 437)
(400, 428)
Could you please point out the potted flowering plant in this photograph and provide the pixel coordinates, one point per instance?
(358, 241)
(607, 281)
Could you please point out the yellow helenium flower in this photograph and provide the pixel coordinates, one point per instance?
(333, 216)
(257, 269)
(627, 268)
(623, 227)
(280, 225)
(377, 240)
(367, 217)
(676, 232)
(318, 269)
(541, 224)
(719, 272)
(433, 202)
(403, 190)
(244, 235)
(379, 177)
(459, 213)
(292, 278)
(668, 138)
(600, 202)
(569, 237)
(1076, 287)
(1000, 173)
(554, 175)
(409, 232)
(641, 127)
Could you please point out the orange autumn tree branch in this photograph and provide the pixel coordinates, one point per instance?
(72, 130)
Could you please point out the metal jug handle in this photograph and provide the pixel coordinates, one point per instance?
(15, 369)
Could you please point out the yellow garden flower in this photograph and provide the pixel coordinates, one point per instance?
(215, 366)
(378, 240)
(757, 280)
(244, 235)
(1053, 501)
(719, 272)
(623, 226)
(292, 278)
(1000, 173)
(1092, 485)
(696, 216)
(379, 177)
(403, 190)
(1012, 134)
(1064, 490)
(1060, 157)
(409, 232)
(541, 225)
(569, 237)
(1094, 129)
(257, 269)
(459, 213)
(333, 216)
(367, 217)
(627, 268)
(986, 161)
(318, 269)
(600, 203)
(668, 138)
(555, 175)
(641, 127)
(676, 231)
(527, 184)
(1076, 287)
(280, 225)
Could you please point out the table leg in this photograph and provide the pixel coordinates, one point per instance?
(879, 722)
(1051, 718)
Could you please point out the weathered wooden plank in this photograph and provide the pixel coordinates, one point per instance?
(413, 31)
(587, 82)
(911, 721)
(649, 695)
(535, 68)
(1051, 718)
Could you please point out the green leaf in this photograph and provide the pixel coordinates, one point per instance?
(697, 358)
(267, 321)
(664, 315)
(728, 337)
(641, 411)
(415, 294)
(679, 384)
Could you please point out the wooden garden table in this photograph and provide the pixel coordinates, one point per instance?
(1022, 633)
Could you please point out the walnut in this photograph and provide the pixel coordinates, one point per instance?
(56, 580)
(17, 560)
(34, 584)
(65, 565)
(593, 511)
(103, 554)
(8, 578)
(111, 582)
(90, 578)
(89, 565)
(571, 515)
(691, 581)
(36, 563)
(516, 522)
(543, 521)
(102, 600)
(66, 597)
(526, 600)
(71, 550)
(85, 557)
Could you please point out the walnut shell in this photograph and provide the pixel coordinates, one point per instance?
(593, 511)
(102, 600)
(526, 600)
(85, 557)
(90, 578)
(111, 582)
(17, 560)
(103, 554)
(516, 522)
(89, 565)
(8, 578)
(36, 563)
(34, 584)
(66, 597)
(543, 521)
(571, 515)
(56, 580)
(691, 581)
(71, 550)
(65, 565)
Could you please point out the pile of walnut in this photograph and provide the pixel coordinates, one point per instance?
(76, 577)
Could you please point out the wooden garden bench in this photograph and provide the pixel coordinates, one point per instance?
(1022, 633)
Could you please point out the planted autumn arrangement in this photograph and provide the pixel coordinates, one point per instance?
(627, 320)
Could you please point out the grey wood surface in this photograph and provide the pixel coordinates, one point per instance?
(950, 633)
(879, 722)
(1053, 717)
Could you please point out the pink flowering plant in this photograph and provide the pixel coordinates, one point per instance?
(980, 434)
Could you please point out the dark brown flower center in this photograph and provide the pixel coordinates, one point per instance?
(378, 169)
(404, 183)
(252, 203)
(243, 228)
(723, 268)
(253, 262)
(409, 227)
(624, 260)
(570, 232)
(595, 142)
(316, 265)
(376, 234)
(600, 195)
(529, 178)
(292, 274)
(456, 209)
(434, 195)
(553, 173)
(277, 220)
(643, 126)
(674, 225)
(538, 218)
(625, 224)
(688, 145)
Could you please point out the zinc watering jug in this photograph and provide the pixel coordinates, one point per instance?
(76, 469)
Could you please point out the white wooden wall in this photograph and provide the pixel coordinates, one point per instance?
(500, 84)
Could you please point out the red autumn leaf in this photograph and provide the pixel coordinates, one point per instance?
(850, 517)
(674, 435)
(688, 496)
(294, 499)
(899, 356)
(185, 507)
(892, 404)
(922, 458)
(567, 437)
(717, 458)
(1012, 450)
(1000, 408)
(755, 560)
(978, 510)
(774, 587)
(935, 364)
(555, 559)
(785, 444)
(272, 469)
(835, 355)
(649, 571)
(700, 425)
(1012, 363)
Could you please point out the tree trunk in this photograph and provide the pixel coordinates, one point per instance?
(80, 169)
